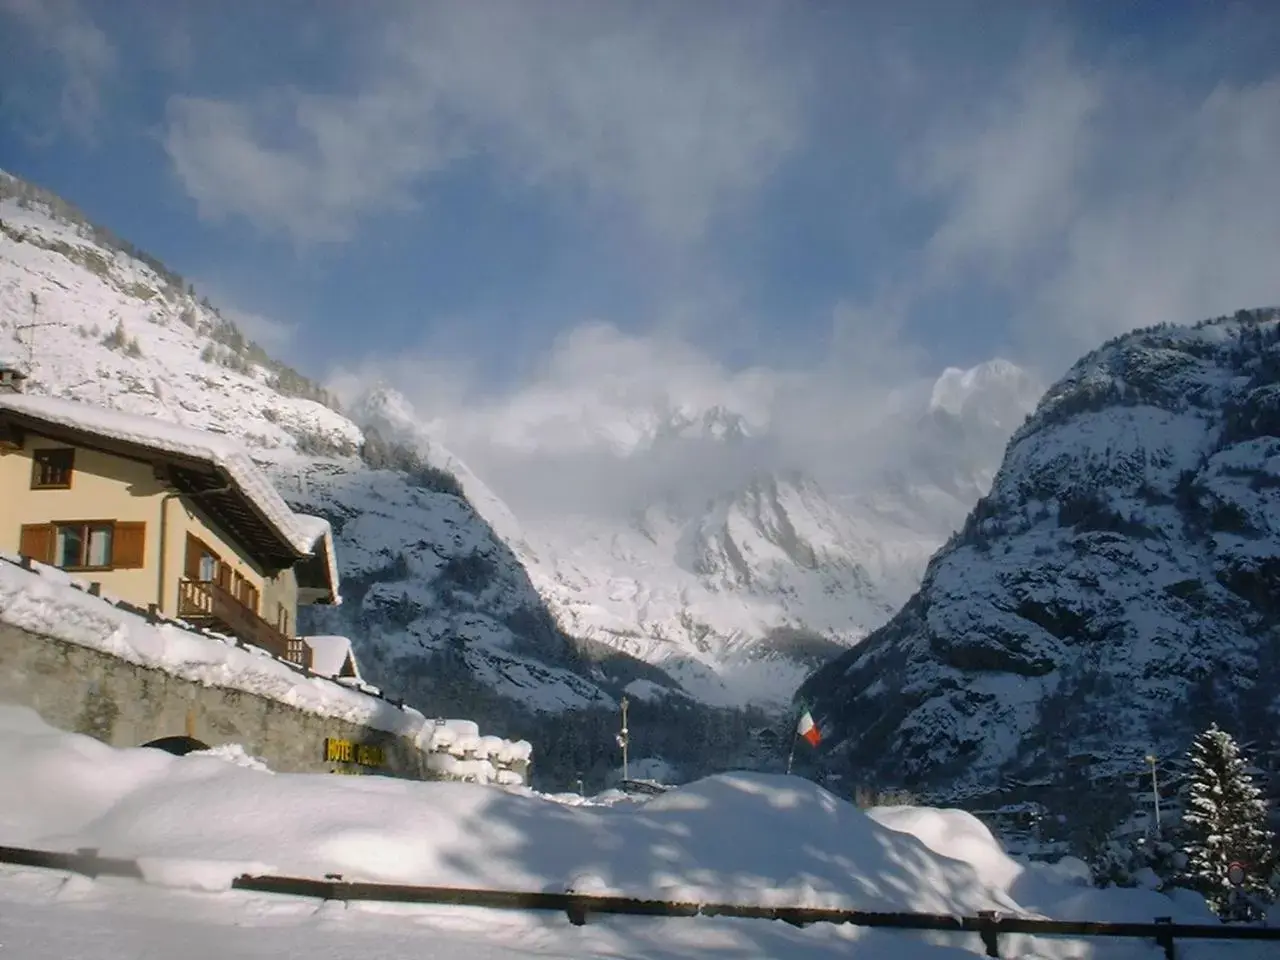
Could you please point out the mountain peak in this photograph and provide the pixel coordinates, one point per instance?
(957, 391)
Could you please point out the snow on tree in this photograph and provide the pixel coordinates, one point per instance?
(1226, 820)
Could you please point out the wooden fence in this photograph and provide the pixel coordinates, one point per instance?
(578, 907)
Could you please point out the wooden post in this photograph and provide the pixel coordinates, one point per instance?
(989, 931)
(191, 722)
(1164, 938)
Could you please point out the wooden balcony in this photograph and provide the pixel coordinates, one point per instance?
(209, 604)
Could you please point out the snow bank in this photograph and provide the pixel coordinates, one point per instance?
(44, 601)
(456, 749)
(196, 822)
(741, 838)
(233, 753)
(955, 834)
(1061, 891)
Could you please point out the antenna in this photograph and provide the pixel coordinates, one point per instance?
(32, 326)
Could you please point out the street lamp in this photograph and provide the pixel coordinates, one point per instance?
(1155, 790)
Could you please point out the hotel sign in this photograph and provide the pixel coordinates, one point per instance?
(362, 754)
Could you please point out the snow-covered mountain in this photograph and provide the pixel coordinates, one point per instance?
(741, 588)
(1115, 592)
(425, 574)
(730, 596)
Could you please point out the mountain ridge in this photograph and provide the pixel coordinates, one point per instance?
(1112, 594)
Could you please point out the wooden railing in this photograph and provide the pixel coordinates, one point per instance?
(208, 602)
(988, 926)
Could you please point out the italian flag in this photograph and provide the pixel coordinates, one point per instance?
(808, 729)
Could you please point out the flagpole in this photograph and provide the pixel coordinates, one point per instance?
(795, 735)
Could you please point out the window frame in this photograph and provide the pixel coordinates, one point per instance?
(132, 534)
(40, 464)
(86, 526)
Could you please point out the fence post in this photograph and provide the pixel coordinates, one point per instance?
(989, 930)
(87, 860)
(1164, 937)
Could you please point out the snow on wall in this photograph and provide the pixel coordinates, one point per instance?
(46, 601)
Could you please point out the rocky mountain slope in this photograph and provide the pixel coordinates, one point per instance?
(1114, 592)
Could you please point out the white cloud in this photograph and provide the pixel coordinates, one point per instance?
(1194, 233)
(588, 431)
(667, 121)
(87, 58)
(1096, 199)
(1071, 194)
(309, 165)
(1010, 181)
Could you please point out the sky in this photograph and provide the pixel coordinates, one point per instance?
(498, 203)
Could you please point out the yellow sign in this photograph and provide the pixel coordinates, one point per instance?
(344, 751)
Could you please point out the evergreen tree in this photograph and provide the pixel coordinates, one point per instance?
(1226, 820)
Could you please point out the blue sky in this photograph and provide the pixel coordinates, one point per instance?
(443, 193)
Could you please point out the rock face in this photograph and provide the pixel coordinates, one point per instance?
(1116, 591)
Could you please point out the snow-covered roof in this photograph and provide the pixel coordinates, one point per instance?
(323, 541)
(329, 654)
(302, 533)
(163, 437)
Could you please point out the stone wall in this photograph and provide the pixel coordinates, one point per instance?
(86, 691)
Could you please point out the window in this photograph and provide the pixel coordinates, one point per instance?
(202, 563)
(52, 469)
(82, 545)
(86, 544)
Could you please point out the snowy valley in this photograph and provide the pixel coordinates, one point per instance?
(458, 603)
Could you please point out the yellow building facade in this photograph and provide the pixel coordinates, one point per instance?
(91, 492)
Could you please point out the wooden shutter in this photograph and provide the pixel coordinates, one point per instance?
(129, 546)
(36, 541)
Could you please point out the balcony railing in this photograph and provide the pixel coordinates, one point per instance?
(211, 604)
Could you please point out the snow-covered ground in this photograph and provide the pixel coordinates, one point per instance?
(195, 822)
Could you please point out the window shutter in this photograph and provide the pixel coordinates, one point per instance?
(36, 542)
(129, 546)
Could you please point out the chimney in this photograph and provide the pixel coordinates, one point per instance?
(11, 376)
